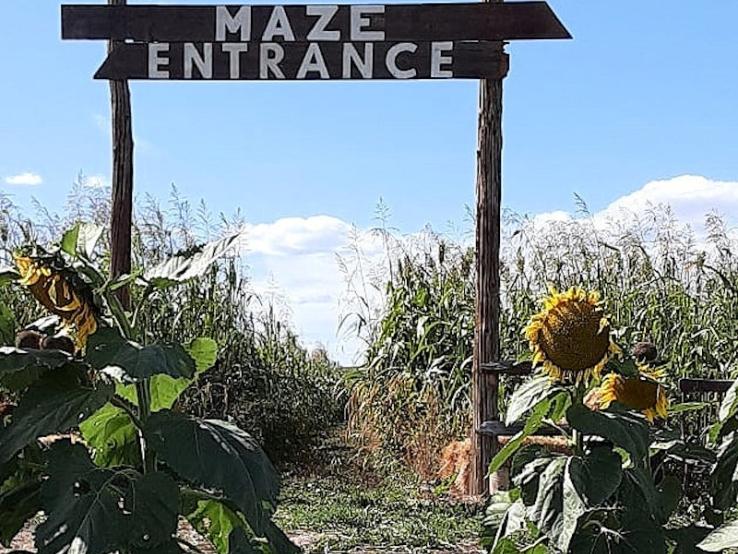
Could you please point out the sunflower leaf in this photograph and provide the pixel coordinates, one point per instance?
(528, 395)
(721, 539)
(130, 362)
(56, 403)
(182, 268)
(622, 429)
(219, 456)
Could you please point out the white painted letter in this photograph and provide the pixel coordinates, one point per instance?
(351, 57)
(392, 55)
(193, 58)
(270, 56)
(313, 61)
(227, 23)
(278, 24)
(438, 59)
(234, 50)
(325, 14)
(156, 60)
(358, 22)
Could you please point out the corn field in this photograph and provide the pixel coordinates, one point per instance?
(661, 282)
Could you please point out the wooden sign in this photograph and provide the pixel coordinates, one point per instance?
(305, 61)
(396, 41)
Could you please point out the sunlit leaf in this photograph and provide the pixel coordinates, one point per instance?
(182, 268)
(721, 539)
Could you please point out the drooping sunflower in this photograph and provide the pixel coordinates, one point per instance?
(642, 393)
(53, 288)
(571, 337)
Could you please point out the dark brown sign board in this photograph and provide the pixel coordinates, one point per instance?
(310, 42)
(305, 61)
(316, 23)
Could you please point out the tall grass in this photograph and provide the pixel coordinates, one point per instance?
(660, 281)
(264, 380)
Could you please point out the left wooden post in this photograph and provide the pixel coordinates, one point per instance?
(121, 219)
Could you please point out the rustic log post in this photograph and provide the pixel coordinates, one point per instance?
(487, 335)
(122, 179)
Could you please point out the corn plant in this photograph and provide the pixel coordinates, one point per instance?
(122, 465)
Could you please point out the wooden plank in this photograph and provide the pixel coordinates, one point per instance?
(704, 385)
(302, 61)
(395, 22)
(484, 390)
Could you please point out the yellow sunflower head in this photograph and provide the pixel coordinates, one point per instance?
(570, 338)
(54, 290)
(642, 393)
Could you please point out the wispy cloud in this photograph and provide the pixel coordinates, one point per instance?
(27, 179)
(94, 181)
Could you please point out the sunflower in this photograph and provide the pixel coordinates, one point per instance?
(642, 393)
(53, 290)
(570, 338)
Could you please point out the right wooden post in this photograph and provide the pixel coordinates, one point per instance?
(487, 335)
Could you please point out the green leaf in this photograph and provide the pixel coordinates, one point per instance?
(7, 324)
(623, 430)
(13, 360)
(642, 492)
(684, 451)
(505, 515)
(574, 504)
(546, 511)
(153, 502)
(217, 455)
(107, 349)
(220, 524)
(529, 394)
(725, 473)
(669, 492)
(729, 405)
(684, 540)
(182, 268)
(204, 351)
(20, 368)
(721, 538)
(81, 239)
(532, 424)
(688, 407)
(166, 390)
(112, 436)
(8, 274)
(597, 476)
(55, 404)
(17, 506)
(82, 503)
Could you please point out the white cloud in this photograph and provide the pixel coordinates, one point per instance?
(295, 260)
(297, 235)
(690, 197)
(94, 181)
(24, 179)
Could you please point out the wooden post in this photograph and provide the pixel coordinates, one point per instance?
(122, 181)
(487, 335)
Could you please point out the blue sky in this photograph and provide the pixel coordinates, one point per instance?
(647, 90)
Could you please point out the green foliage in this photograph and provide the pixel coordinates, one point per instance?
(414, 309)
(264, 380)
(126, 487)
(616, 491)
